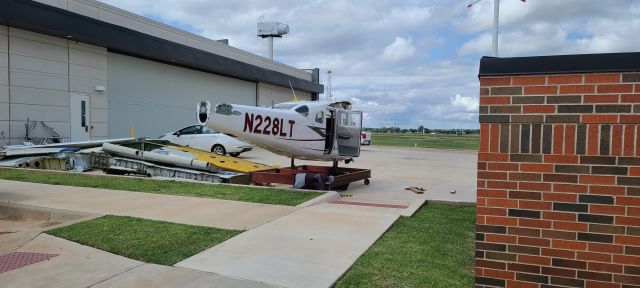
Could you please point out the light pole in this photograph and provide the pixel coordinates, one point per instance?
(496, 23)
(269, 30)
(496, 26)
(329, 92)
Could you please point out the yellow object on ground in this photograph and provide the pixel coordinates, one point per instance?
(223, 162)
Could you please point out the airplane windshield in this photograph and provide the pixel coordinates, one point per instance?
(207, 130)
(303, 110)
(190, 130)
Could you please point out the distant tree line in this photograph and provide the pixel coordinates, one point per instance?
(421, 130)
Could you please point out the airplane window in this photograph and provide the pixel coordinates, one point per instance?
(350, 120)
(319, 117)
(344, 119)
(303, 110)
(356, 120)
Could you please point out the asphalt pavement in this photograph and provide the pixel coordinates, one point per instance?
(393, 169)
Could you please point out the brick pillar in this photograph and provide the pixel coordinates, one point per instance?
(559, 181)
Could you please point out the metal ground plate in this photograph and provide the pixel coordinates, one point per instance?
(15, 260)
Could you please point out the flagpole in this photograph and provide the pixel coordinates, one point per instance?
(496, 24)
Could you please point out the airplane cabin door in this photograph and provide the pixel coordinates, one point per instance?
(80, 126)
(348, 128)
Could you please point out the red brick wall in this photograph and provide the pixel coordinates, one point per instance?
(559, 181)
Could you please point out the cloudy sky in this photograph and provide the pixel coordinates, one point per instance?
(406, 62)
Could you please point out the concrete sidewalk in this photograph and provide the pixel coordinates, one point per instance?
(81, 266)
(311, 247)
(19, 223)
(178, 209)
(75, 265)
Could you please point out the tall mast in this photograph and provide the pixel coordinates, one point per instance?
(329, 92)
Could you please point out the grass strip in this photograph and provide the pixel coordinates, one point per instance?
(442, 141)
(149, 241)
(218, 191)
(434, 248)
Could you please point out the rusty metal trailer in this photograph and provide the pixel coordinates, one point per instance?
(342, 176)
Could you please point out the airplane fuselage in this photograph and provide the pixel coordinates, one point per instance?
(301, 130)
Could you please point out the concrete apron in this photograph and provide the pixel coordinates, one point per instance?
(178, 209)
(394, 169)
(312, 247)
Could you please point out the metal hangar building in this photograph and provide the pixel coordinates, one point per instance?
(90, 71)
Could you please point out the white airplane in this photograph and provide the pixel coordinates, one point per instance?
(309, 130)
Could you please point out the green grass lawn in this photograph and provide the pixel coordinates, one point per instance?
(219, 191)
(467, 142)
(434, 248)
(145, 240)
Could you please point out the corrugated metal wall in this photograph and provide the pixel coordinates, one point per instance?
(37, 74)
(157, 98)
(271, 94)
(4, 85)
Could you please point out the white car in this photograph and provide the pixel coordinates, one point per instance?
(205, 138)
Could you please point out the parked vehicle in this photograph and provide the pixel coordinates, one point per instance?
(205, 138)
(365, 138)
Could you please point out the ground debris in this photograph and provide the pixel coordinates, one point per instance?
(417, 190)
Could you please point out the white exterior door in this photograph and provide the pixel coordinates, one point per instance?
(80, 126)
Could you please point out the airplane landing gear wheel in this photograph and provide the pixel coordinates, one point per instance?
(367, 181)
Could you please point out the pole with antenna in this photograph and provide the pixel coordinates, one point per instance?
(270, 30)
(496, 26)
(496, 23)
(295, 98)
(329, 92)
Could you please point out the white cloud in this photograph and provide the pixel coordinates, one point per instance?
(405, 17)
(611, 35)
(400, 49)
(405, 61)
(478, 45)
(465, 103)
(537, 38)
(547, 27)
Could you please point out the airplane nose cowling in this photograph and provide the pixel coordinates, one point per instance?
(203, 110)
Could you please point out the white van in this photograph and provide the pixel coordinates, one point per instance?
(365, 138)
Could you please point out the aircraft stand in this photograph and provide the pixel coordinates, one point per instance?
(342, 176)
